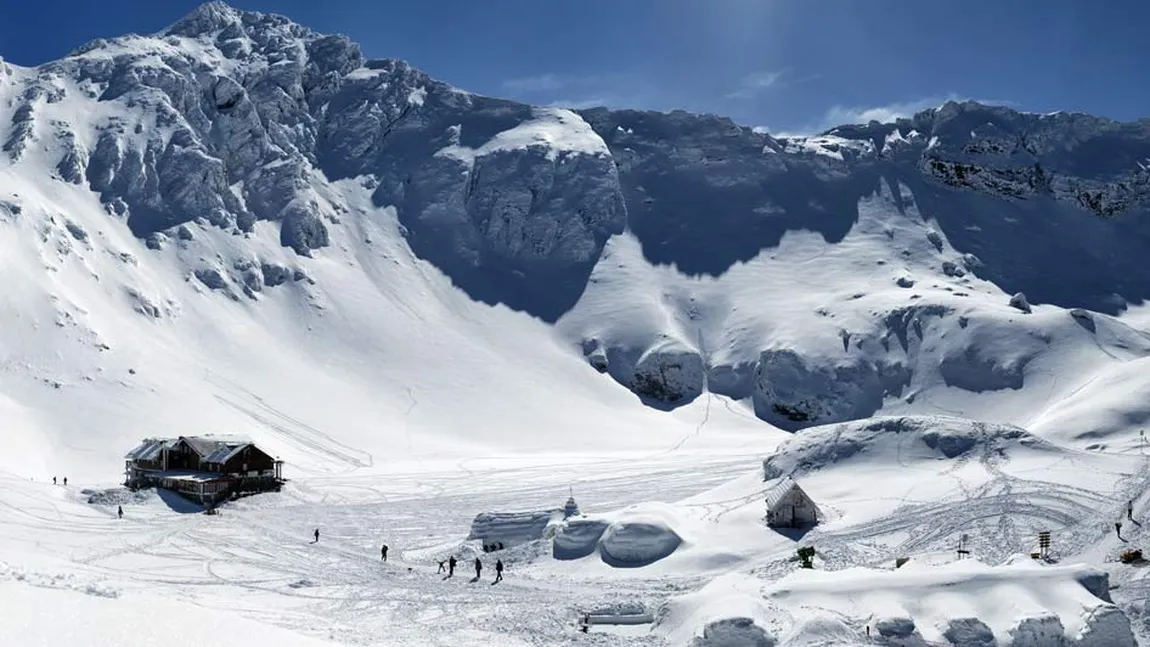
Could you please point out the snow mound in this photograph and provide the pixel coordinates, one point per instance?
(966, 604)
(511, 528)
(728, 611)
(637, 542)
(578, 539)
(630, 538)
(892, 438)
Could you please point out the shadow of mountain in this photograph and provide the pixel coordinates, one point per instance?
(703, 193)
(1052, 252)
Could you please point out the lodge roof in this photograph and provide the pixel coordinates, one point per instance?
(211, 449)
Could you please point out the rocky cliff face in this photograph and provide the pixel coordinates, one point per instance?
(229, 118)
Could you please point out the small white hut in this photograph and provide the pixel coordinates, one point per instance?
(788, 506)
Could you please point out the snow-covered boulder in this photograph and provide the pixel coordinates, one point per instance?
(512, 528)
(578, 538)
(897, 630)
(969, 632)
(1038, 631)
(669, 376)
(734, 632)
(637, 542)
(1104, 626)
(793, 391)
(1019, 302)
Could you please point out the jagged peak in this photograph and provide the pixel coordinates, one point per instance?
(206, 18)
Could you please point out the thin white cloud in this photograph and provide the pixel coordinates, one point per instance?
(755, 83)
(617, 90)
(539, 83)
(580, 104)
(842, 115)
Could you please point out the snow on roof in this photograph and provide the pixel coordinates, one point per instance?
(780, 490)
(224, 453)
(149, 450)
(212, 449)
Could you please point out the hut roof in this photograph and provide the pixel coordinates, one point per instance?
(779, 490)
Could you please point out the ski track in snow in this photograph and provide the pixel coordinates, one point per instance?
(257, 555)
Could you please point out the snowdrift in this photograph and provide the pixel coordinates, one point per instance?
(630, 538)
(512, 528)
(966, 604)
(899, 439)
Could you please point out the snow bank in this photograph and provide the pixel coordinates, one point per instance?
(578, 539)
(511, 528)
(637, 542)
(894, 438)
(968, 604)
(965, 605)
(728, 611)
(631, 538)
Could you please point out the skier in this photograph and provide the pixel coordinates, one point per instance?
(498, 570)
(442, 566)
(1130, 510)
(120, 511)
(383, 552)
(478, 568)
(316, 536)
(53, 480)
(65, 481)
(1118, 529)
(451, 567)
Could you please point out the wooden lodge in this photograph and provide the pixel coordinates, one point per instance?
(205, 469)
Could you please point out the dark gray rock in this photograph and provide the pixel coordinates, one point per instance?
(212, 277)
(303, 229)
(793, 392)
(275, 274)
(1019, 302)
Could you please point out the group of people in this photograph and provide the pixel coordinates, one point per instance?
(54, 480)
(451, 562)
(447, 565)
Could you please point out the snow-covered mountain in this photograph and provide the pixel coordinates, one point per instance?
(238, 192)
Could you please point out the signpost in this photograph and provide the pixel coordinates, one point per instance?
(1044, 543)
(962, 550)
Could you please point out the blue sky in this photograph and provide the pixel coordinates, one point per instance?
(790, 66)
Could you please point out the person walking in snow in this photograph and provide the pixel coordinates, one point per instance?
(316, 536)
(1118, 529)
(1130, 510)
(383, 553)
(451, 567)
(120, 511)
(65, 481)
(442, 566)
(478, 568)
(53, 480)
(498, 570)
